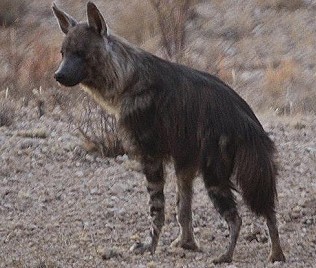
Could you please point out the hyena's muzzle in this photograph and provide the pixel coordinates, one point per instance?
(71, 71)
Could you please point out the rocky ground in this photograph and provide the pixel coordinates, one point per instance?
(62, 207)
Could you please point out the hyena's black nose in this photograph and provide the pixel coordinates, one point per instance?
(59, 76)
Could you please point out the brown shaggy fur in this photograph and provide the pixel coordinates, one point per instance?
(167, 110)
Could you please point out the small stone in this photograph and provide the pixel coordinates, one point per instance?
(151, 264)
(133, 165)
(27, 144)
(263, 239)
(308, 221)
(109, 253)
(250, 237)
(95, 191)
(79, 173)
(296, 209)
(121, 158)
(135, 237)
(90, 158)
(23, 194)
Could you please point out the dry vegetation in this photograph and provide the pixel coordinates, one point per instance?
(272, 67)
(282, 4)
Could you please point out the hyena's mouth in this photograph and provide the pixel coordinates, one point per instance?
(68, 81)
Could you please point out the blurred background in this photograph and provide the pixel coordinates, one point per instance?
(264, 49)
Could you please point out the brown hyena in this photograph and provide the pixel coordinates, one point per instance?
(170, 111)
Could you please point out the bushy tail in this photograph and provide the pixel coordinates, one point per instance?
(256, 172)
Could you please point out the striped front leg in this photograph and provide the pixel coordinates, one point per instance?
(153, 170)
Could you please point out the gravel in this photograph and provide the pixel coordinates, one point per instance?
(63, 207)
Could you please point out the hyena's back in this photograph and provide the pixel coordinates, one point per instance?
(190, 116)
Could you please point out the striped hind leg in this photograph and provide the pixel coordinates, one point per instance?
(224, 203)
(276, 253)
(153, 170)
(216, 178)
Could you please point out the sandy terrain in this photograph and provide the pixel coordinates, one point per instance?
(62, 207)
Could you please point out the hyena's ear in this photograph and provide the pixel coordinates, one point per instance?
(65, 21)
(96, 20)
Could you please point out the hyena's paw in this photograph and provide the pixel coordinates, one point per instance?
(186, 244)
(141, 248)
(276, 256)
(225, 258)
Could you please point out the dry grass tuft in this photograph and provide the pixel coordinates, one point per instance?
(29, 64)
(138, 24)
(7, 112)
(172, 18)
(278, 77)
(39, 133)
(97, 128)
(278, 80)
(99, 131)
(288, 89)
(11, 11)
(157, 25)
(290, 5)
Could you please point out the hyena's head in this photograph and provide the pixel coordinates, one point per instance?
(82, 46)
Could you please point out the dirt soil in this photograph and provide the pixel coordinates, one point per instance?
(63, 207)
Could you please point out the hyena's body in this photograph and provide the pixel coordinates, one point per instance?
(172, 111)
